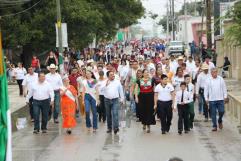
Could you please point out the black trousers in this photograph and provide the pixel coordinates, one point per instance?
(101, 109)
(206, 110)
(164, 112)
(20, 81)
(41, 107)
(31, 108)
(183, 117)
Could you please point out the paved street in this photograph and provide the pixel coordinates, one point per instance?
(131, 144)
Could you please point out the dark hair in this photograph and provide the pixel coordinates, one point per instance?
(184, 65)
(123, 60)
(179, 68)
(108, 73)
(187, 76)
(144, 71)
(175, 159)
(40, 73)
(109, 64)
(163, 76)
(183, 84)
(101, 73)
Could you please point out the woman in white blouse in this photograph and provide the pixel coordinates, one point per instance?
(19, 74)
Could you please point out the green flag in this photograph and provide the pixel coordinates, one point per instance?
(4, 107)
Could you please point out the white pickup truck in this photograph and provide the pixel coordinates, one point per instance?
(176, 48)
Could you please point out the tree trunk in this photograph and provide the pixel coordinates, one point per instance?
(209, 24)
(27, 55)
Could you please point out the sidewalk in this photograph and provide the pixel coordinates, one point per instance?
(17, 105)
(15, 101)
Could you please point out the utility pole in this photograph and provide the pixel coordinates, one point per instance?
(173, 18)
(185, 25)
(201, 35)
(167, 37)
(59, 28)
(209, 24)
(195, 11)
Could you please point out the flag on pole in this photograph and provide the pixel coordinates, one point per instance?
(5, 117)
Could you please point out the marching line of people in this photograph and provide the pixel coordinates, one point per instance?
(156, 86)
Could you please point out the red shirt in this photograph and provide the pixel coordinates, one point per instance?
(35, 63)
(73, 80)
(115, 65)
(146, 86)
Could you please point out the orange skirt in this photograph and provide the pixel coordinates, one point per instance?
(68, 109)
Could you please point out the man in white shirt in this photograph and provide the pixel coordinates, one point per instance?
(43, 97)
(55, 80)
(113, 91)
(164, 64)
(163, 103)
(209, 63)
(201, 82)
(216, 95)
(150, 64)
(28, 81)
(190, 64)
(173, 64)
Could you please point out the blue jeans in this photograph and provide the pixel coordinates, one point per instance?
(214, 107)
(200, 103)
(90, 104)
(56, 104)
(133, 106)
(112, 112)
(43, 107)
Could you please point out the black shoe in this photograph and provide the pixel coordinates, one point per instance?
(186, 131)
(69, 132)
(180, 132)
(109, 131)
(163, 132)
(36, 131)
(44, 131)
(56, 121)
(116, 131)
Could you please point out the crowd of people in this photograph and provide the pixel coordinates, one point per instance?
(97, 86)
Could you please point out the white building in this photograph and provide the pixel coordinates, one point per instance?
(193, 29)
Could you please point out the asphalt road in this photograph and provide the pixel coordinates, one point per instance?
(131, 144)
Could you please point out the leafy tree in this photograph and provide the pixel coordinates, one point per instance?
(233, 33)
(34, 30)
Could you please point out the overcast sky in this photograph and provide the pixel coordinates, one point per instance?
(158, 7)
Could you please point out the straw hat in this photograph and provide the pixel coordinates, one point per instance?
(52, 66)
(205, 66)
(180, 58)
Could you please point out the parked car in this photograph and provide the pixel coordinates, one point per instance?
(176, 48)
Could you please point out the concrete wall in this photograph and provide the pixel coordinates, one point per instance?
(233, 53)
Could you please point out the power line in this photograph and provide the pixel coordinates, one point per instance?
(12, 3)
(20, 12)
